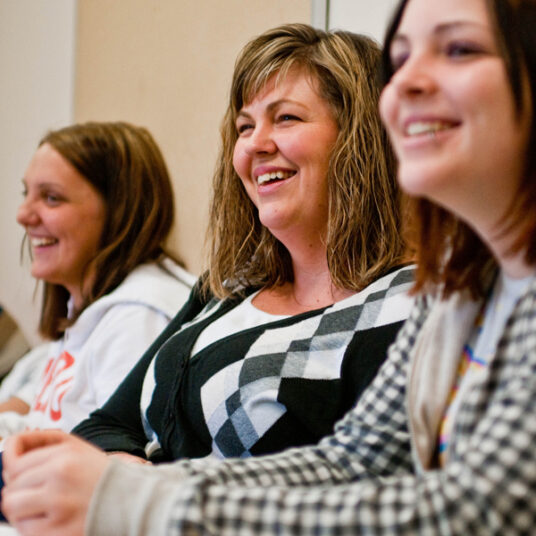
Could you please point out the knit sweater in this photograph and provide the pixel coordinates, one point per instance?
(283, 383)
(372, 476)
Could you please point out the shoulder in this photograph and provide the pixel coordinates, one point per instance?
(163, 287)
(521, 327)
(385, 301)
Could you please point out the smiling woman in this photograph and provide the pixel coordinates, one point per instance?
(306, 283)
(97, 208)
(64, 216)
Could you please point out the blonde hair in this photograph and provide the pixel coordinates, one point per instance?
(364, 237)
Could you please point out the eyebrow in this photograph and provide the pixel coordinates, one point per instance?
(443, 28)
(44, 185)
(272, 106)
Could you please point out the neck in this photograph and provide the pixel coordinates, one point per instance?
(312, 286)
(513, 264)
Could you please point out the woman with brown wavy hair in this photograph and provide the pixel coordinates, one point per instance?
(97, 209)
(443, 442)
(305, 265)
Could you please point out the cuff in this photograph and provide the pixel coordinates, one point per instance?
(132, 499)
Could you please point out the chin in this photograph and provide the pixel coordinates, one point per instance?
(418, 182)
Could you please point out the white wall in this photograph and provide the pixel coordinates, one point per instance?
(361, 16)
(36, 94)
(37, 51)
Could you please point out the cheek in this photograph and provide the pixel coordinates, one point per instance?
(240, 161)
(386, 108)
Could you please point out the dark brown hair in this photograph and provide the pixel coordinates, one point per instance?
(126, 167)
(449, 253)
(364, 237)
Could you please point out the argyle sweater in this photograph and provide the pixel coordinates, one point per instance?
(364, 479)
(283, 383)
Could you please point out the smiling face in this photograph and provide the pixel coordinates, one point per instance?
(64, 218)
(285, 138)
(450, 112)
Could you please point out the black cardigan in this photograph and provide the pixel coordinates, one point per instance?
(346, 336)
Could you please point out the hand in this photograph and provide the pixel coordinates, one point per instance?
(50, 477)
(127, 458)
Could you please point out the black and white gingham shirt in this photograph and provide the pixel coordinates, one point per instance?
(363, 479)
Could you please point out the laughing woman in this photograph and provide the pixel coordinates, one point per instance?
(97, 209)
(305, 288)
(443, 442)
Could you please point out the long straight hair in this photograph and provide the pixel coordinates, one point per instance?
(124, 164)
(450, 255)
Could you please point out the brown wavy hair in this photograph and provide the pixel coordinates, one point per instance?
(364, 236)
(126, 167)
(450, 255)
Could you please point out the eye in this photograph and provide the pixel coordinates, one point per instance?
(284, 118)
(243, 127)
(398, 60)
(461, 49)
(51, 198)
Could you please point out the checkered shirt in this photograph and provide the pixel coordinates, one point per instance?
(362, 480)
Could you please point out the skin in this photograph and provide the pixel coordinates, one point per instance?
(448, 73)
(48, 489)
(288, 127)
(63, 215)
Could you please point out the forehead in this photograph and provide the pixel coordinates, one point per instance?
(423, 17)
(278, 80)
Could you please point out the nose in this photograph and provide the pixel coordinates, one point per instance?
(415, 77)
(261, 140)
(26, 214)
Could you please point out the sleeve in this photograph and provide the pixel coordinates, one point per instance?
(25, 376)
(247, 496)
(117, 424)
(486, 487)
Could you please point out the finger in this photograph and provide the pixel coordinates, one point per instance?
(26, 441)
(15, 465)
(24, 504)
(43, 526)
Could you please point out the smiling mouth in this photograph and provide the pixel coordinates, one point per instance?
(41, 242)
(420, 128)
(274, 176)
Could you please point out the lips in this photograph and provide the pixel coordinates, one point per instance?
(273, 176)
(38, 242)
(425, 127)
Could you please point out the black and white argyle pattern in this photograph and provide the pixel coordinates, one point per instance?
(363, 480)
(240, 402)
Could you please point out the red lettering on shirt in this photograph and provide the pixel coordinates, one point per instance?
(57, 379)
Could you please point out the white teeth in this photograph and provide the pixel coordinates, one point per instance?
(38, 242)
(261, 179)
(425, 127)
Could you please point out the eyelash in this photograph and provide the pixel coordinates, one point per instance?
(455, 49)
(241, 128)
(51, 198)
(279, 119)
(398, 61)
(460, 49)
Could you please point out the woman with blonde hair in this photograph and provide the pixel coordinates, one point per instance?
(443, 442)
(305, 268)
(305, 289)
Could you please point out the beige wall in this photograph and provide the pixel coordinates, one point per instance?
(167, 65)
(365, 16)
(36, 66)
